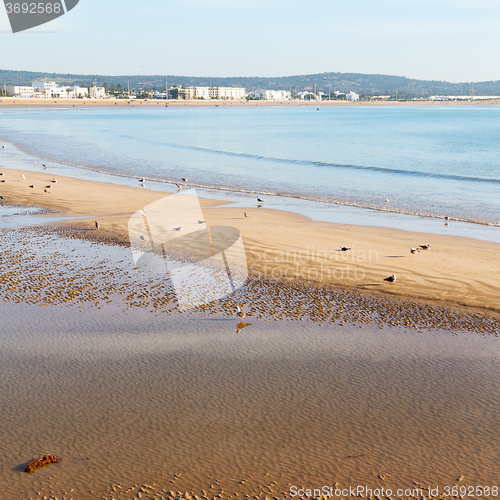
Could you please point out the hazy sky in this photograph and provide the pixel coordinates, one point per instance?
(455, 40)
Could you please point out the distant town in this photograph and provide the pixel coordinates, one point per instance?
(52, 90)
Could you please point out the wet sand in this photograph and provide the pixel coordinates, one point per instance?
(327, 383)
(186, 404)
(282, 245)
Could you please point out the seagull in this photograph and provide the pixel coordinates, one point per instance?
(240, 312)
(344, 249)
(245, 214)
(179, 186)
(388, 200)
(32, 186)
(45, 191)
(414, 250)
(44, 166)
(180, 228)
(184, 179)
(141, 236)
(391, 279)
(259, 200)
(2, 198)
(35, 163)
(49, 186)
(142, 180)
(446, 218)
(142, 213)
(54, 179)
(424, 247)
(1, 173)
(96, 225)
(202, 221)
(4, 147)
(24, 178)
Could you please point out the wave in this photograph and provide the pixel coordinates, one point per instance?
(230, 189)
(413, 173)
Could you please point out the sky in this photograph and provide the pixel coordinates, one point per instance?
(453, 40)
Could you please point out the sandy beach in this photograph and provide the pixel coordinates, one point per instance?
(21, 102)
(334, 378)
(288, 246)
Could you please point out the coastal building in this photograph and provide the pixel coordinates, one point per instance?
(18, 91)
(202, 92)
(227, 93)
(206, 93)
(463, 97)
(275, 95)
(51, 90)
(97, 92)
(352, 96)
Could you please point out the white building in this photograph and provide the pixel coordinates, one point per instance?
(227, 93)
(276, 95)
(352, 96)
(97, 92)
(18, 91)
(51, 90)
(202, 92)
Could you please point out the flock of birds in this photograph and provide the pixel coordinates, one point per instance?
(390, 279)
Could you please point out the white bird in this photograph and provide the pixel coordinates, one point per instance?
(202, 221)
(240, 312)
(391, 279)
(24, 178)
(414, 250)
(388, 200)
(141, 236)
(142, 213)
(259, 200)
(424, 247)
(35, 163)
(344, 249)
(180, 228)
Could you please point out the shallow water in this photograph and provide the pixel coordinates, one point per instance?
(130, 395)
(428, 160)
(327, 212)
(132, 398)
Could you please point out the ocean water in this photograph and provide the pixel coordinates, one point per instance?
(430, 161)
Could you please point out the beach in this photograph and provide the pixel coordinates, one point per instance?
(333, 378)
(283, 245)
(23, 102)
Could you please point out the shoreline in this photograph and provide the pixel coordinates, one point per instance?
(287, 246)
(17, 102)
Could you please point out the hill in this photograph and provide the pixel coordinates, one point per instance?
(369, 84)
